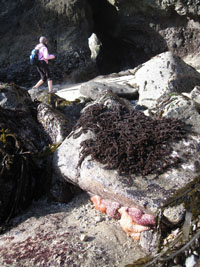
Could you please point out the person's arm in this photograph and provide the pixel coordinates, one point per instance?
(46, 55)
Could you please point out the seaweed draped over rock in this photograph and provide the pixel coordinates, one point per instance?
(129, 141)
(16, 176)
(24, 171)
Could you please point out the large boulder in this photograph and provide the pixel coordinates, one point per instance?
(180, 106)
(148, 192)
(56, 125)
(164, 73)
(13, 96)
(55, 114)
(118, 83)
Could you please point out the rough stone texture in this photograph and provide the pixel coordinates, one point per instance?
(130, 33)
(164, 73)
(118, 83)
(14, 97)
(147, 193)
(181, 107)
(25, 127)
(195, 96)
(94, 45)
(56, 125)
(176, 214)
(24, 175)
(37, 94)
(64, 23)
(173, 25)
(51, 234)
(181, 7)
(71, 108)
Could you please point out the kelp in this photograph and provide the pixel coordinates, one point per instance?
(22, 176)
(129, 141)
(15, 175)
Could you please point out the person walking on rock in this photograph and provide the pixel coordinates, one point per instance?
(42, 66)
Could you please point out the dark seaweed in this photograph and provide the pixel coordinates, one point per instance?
(129, 141)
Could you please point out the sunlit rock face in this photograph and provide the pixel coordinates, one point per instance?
(148, 192)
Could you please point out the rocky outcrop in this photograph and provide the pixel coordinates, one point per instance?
(55, 123)
(118, 83)
(165, 73)
(147, 193)
(14, 97)
(181, 107)
(143, 195)
(56, 115)
(66, 26)
(127, 34)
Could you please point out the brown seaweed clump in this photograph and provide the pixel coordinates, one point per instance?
(129, 141)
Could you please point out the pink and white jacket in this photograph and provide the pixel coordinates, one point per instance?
(43, 53)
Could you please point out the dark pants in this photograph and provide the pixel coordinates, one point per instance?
(43, 70)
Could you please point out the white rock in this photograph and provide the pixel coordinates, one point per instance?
(190, 261)
(163, 73)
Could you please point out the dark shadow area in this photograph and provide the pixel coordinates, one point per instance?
(106, 21)
(21, 26)
(126, 41)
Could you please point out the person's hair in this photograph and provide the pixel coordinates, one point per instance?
(43, 40)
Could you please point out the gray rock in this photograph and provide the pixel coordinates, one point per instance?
(195, 96)
(175, 214)
(149, 241)
(162, 74)
(117, 83)
(56, 124)
(147, 193)
(14, 97)
(181, 107)
(36, 93)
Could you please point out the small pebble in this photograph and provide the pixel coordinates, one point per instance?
(83, 237)
(98, 219)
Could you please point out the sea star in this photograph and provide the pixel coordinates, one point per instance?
(132, 220)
